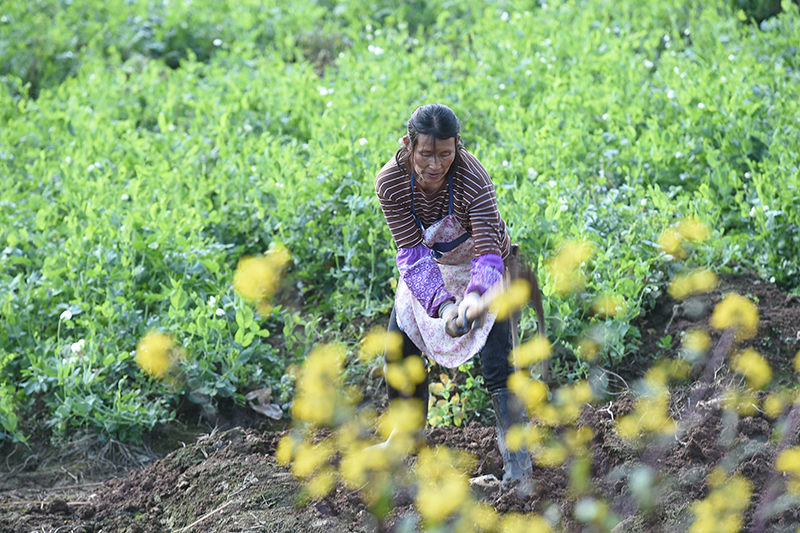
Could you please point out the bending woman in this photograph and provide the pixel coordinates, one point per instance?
(441, 208)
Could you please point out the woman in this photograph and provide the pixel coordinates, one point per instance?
(441, 208)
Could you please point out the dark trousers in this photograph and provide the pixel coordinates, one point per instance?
(495, 365)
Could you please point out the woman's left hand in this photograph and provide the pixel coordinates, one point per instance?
(467, 310)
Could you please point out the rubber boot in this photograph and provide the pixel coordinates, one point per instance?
(517, 465)
(420, 394)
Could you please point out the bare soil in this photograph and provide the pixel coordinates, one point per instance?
(228, 480)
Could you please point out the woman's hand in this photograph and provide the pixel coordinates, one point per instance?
(469, 313)
(448, 312)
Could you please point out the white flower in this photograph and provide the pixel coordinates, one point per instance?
(212, 301)
(362, 141)
(532, 173)
(66, 315)
(219, 312)
(505, 163)
(648, 63)
(676, 70)
(504, 16)
(217, 42)
(68, 160)
(501, 108)
(643, 202)
(377, 50)
(552, 183)
(678, 155)
(701, 105)
(606, 116)
(670, 94)
(77, 347)
(723, 79)
(153, 245)
(125, 197)
(731, 57)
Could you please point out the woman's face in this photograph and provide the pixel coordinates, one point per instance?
(432, 159)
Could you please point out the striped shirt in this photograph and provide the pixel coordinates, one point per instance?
(474, 204)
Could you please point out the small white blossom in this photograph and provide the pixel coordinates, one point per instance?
(66, 315)
(670, 94)
(678, 155)
(217, 42)
(505, 163)
(220, 312)
(77, 347)
(723, 79)
(552, 183)
(648, 63)
(212, 301)
(153, 245)
(676, 70)
(68, 159)
(731, 57)
(643, 202)
(701, 105)
(125, 197)
(501, 108)
(362, 141)
(532, 173)
(606, 116)
(504, 16)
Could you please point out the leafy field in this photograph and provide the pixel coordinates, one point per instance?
(147, 146)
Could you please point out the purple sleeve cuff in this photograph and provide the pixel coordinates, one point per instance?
(423, 278)
(487, 270)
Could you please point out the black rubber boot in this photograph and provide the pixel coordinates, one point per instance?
(517, 465)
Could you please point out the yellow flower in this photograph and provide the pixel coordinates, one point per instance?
(672, 243)
(535, 350)
(753, 367)
(564, 268)
(405, 375)
(285, 450)
(789, 461)
(322, 484)
(695, 282)
(531, 391)
(524, 523)
(319, 399)
(309, 457)
(511, 299)
(484, 517)
(692, 229)
(403, 416)
(609, 305)
(697, 341)
(378, 341)
(258, 277)
(588, 349)
(153, 354)
(774, 404)
(552, 456)
(627, 427)
(738, 313)
(443, 486)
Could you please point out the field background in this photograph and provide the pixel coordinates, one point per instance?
(145, 147)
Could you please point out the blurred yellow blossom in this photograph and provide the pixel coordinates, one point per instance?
(443, 484)
(695, 282)
(774, 405)
(609, 305)
(743, 403)
(692, 229)
(285, 450)
(379, 341)
(789, 461)
(406, 374)
(484, 517)
(565, 267)
(512, 299)
(721, 511)
(672, 243)
(309, 457)
(588, 349)
(738, 313)
(696, 341)
(524, 523)
(153, 354)
(531, 391)
(753, 367)
(403, 416)
(536, 349)
(258, 277)
(319, 398)
(322, 483)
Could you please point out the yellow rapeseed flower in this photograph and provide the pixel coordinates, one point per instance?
(379, 341)
(285, 450)
(319, 397)
(738, 313)
(588, 349)
(696, 341)
(524, 523)
(692, 229)
(403, 416)
(671, 242)
(406, 374)
(443, 486)
(512, 299)
(322, 483)
(721, 511)
(627, 427)
(753, 367)
(536, 349)
(789, 461)
(531, 391)
(552, 456)
(258, 277)
(609, 305)
(695, 282)
(484, 517)
(774, 405)
(153, 354)
(565, 267)
(309, 457)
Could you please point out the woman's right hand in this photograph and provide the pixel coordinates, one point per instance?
(449, 313)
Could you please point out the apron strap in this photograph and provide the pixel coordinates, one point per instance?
(449, 208)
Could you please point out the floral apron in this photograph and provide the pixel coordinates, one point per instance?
(453, 249)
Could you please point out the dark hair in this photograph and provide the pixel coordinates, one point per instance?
(436, 120)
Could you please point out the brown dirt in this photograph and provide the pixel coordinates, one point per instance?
(229, 481)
